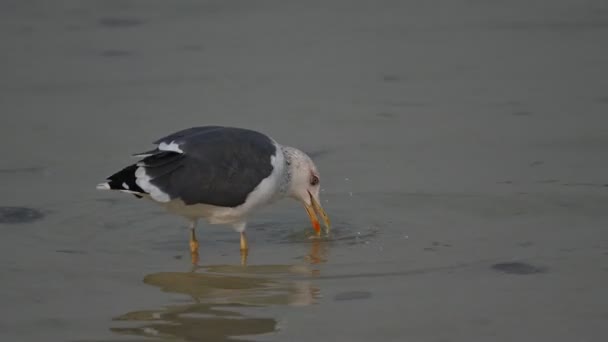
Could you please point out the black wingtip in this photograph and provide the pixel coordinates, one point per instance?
(124, 180)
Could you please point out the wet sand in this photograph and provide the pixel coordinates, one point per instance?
(462, 147)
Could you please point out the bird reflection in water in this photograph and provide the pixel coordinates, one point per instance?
(219, 294)
(318, 252)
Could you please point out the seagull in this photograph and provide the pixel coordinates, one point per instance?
(221, 175)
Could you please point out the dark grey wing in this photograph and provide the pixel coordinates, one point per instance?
(219, 166)
(177, 136)
(185, 133)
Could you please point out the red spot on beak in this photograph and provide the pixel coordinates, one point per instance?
(316, 226)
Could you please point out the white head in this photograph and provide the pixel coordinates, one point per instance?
(304, 184)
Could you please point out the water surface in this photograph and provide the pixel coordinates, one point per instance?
(461, 146)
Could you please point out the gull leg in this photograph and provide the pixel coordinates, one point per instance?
(193, 242)
(244, 249)
(244, 245)
(240, 227)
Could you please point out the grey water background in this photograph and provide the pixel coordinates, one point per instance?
(462, 148)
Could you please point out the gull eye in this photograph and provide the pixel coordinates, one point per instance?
(314, 180)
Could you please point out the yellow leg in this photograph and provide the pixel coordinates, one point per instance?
(244, 254)
(244, 249)
(244, 245)
(193, 243)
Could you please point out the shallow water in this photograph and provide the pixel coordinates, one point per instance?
(461, 147)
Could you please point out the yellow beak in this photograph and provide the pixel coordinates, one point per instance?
(313, 209)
